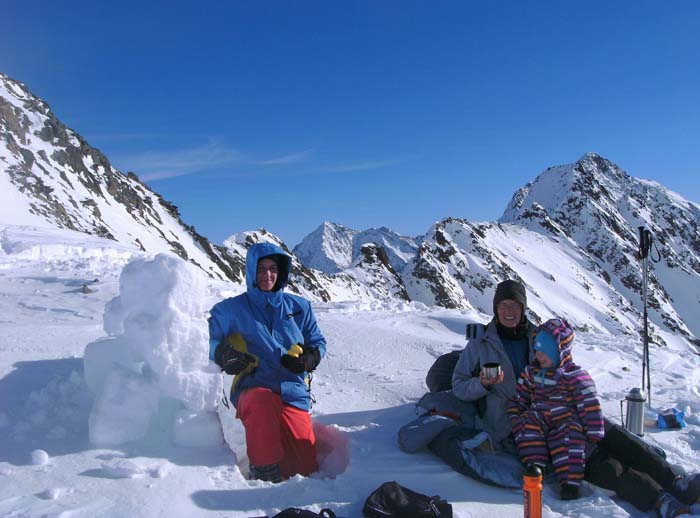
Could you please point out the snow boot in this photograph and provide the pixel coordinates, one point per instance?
(668, 507)
(268, 473)
(569, 492)
(686, 488)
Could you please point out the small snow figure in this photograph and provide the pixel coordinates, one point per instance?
(85, 289)
(40, 458)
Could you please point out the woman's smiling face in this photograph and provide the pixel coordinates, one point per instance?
(510, 313)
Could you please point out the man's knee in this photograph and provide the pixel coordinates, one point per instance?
(612, 468)
(297, 424)
(601, 469)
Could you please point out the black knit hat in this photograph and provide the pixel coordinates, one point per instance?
(510, 289)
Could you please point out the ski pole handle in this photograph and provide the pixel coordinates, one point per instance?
(644, 242)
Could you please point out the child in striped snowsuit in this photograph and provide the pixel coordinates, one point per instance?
(555, 411)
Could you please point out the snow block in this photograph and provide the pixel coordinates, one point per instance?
(155, 365)
(197, 429)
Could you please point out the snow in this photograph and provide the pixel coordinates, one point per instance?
(40, 457)
(154, 366)
(109, 407)
(12, 208)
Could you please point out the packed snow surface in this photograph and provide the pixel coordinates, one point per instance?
(109, 406)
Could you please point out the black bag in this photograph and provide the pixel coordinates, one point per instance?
(392, 499)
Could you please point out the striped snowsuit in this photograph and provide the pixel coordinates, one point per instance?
(556, 411)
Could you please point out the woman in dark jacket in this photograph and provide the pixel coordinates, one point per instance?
(506, 340)
(620, 462)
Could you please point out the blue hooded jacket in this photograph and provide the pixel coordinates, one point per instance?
(270, 323)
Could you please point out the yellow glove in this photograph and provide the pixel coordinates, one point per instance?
(295, 351)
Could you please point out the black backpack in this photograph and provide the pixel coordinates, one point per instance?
(392, 499)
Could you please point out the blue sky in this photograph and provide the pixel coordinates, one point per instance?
(285, 114)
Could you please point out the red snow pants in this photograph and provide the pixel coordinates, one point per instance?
(277, 433)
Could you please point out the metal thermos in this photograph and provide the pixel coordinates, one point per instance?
(635, 411)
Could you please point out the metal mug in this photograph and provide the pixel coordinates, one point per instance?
(491, 370)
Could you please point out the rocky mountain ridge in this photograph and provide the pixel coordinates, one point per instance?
(333, 247)
(586, 214)
(570, 235)
(52, 177)
(601, 210)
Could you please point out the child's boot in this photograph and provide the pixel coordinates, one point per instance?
(569, 492)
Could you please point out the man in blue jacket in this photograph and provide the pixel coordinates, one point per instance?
(270, 342)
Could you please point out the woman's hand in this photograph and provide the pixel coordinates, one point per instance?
(489, 382)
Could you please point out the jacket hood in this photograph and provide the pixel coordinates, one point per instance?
(284, 262)
(563, 336)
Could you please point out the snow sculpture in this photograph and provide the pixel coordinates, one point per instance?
(152, 374)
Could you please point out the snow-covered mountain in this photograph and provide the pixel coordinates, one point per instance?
(328, 248)
(599, 207)
(460, 263)
(579, 220)
(582, 217)
(107, 397)
(332, 247)
(370, 279)
(399, 249)
(373, 269)
(51, 177)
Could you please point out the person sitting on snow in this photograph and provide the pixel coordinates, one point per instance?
(270, 341)
(507, 341)
(555, 411)
(619, 462)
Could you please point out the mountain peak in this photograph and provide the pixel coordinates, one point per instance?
(591, 156)
(331, 225)
(52, 177)
(333, 248)
(598, 206)
(591, 179)
(328, 248)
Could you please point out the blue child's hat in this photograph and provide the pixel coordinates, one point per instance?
(549, 345)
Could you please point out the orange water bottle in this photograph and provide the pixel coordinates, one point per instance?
(532, 487)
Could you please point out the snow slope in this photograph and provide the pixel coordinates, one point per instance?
(58, 295)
